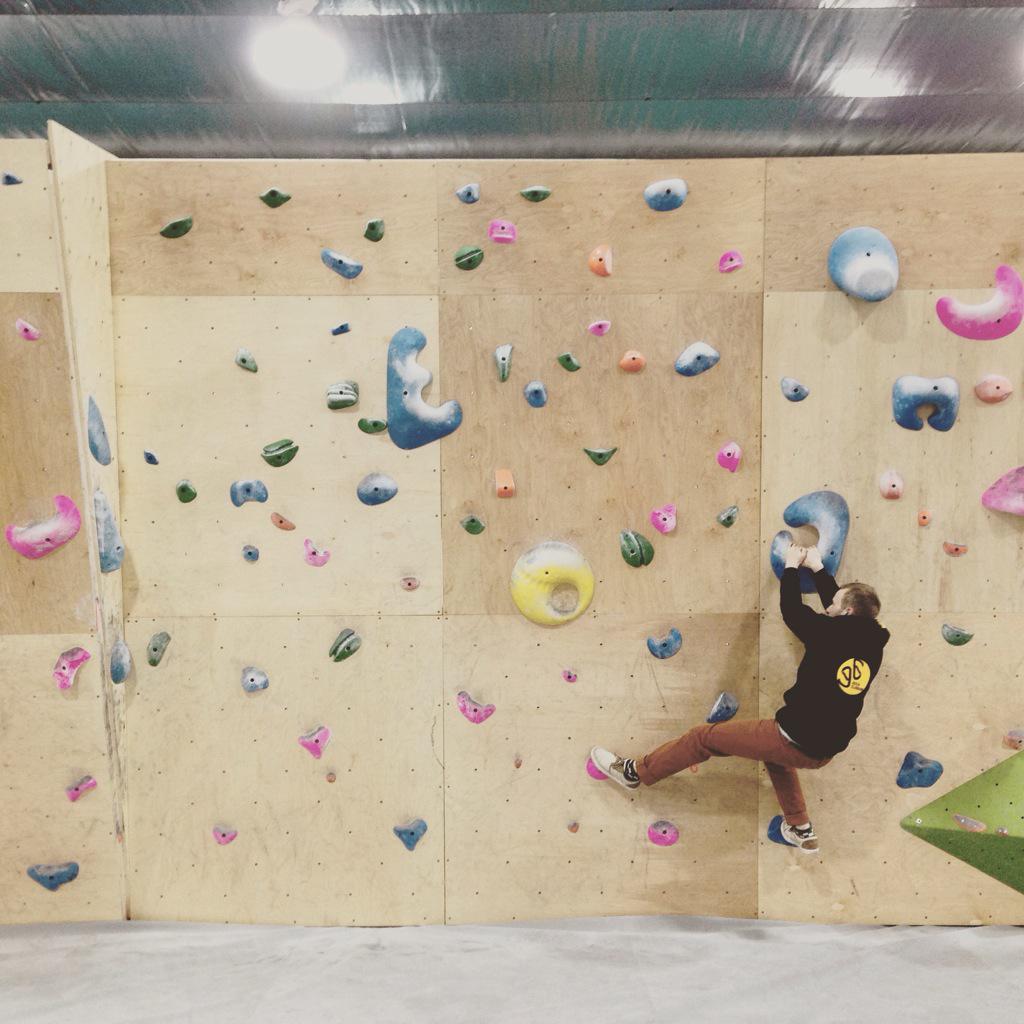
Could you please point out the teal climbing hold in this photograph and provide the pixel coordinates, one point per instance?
(412, 833)
(503, 360)
(469, 257)
(600, 456)
(274, 198)
(374, 230)
(99, 443)
(568, 362)
(728, 516)
(473, 524)
(246, 360)
(251, 553)
(120, 662)
(177, 228)
(636, 549)
(347, 267)
(157, 647)
(372, 426)
(955, 636)
(342, 395)
(52, 876)
(535, 193)
(345, 645)
(280, 453)
(185, 491)
(108, 536)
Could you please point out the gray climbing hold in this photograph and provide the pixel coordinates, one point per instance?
(376, 488)
(99, 443)
(342, 395)
(254, 679)
(503, 361)
(120, 662)
(697, 358)
(247, 490)
(793, 389)
(157, 647)
(347, 267)
(108, 537)
(468, 193)
(251, 553)
(246, 360)
(728, 516)
(345, 645)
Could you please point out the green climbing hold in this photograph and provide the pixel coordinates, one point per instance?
(280, 453)
(177, 228)
(503, 360)
(599, 456)
(346, 644)
(729, 515)
(567, 361)
(636, 549)
(469, 257)
(372, 426)
(473, 524)
(536, 193)
(342, 395)
(185, 491)
(246, 360)
(157, 645)
(274, 198)
(374, 230)
(955, 636)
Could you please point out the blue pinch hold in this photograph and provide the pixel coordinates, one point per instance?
(918, 770)
(863, 263)
(341, 329)
(411, 422)
(10, 179)
(829, 514)
(697, 358)
(469, 194)
(724, 708)
(536, 394)
(666, 195)
(251, 553)
(99, 443)
(667, 645)
(247, 490)
(344, 265)
(53, 876)
(254, 679)
(793, 389)
(775, 832)
(909, 393)
(120, 662)
(108, 536)
(412, 833)
(150, 457)
(376, 488)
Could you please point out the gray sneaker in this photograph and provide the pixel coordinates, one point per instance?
(612, 765)
(803, 839)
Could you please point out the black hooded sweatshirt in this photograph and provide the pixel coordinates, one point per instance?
(841, 659)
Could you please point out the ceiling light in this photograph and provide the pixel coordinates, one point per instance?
(297, 54)
(865, 82)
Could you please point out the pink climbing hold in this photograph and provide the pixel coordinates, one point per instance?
(67, 666)
(890, 484)
(26, 330)
(730, 261)
(663, 833)
(729, 456)
(315, 740)
(569, 675)
(40, 538)
(503, 231)
(1014, 739)
(314, 555)
(80, 788)
(471, 710)
(599, 328)
(1007, 493)
(225, 835)
(969, 824)
(664, 519)
(999, 316)
(593, 771)
(409, 583)
(993, 388)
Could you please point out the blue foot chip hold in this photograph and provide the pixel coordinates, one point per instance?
(775, 832)
(412, 833)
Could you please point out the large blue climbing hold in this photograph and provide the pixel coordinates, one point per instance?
(724, 708)
(376, 488)
(697, 358)
(411, 422)
(863, 263)
(829, 514)
(53, 876)
(775, 832)
(666, 195)
(344, 265)
(909, 393)
(667, 645)
(918, 770)
(247, 490)
(412, 833)
(108, 536)
(99, 443)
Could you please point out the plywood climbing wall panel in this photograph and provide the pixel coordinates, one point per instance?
(28, 256)
(206, 754)
(182, 396)
(240, 246)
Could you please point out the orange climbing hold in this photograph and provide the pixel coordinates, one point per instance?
(956, 550)
(632, 362)
(924, 517)
(504, 484)
(280, 522)
(600, 261)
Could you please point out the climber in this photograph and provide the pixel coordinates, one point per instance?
(843, 652)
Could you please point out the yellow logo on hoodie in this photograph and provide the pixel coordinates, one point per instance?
(853, 676)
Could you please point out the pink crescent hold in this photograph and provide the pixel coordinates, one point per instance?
(40, 538)
(995, 318)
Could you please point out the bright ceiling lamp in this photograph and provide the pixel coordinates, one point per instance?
(296, 54)
(865, 82)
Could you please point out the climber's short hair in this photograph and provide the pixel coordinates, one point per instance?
(861, 599)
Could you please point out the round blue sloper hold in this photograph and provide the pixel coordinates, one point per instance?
(376, 488)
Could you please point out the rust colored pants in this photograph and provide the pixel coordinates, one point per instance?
(757, 740)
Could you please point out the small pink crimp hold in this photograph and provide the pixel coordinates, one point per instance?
(730, 261)
(729, 456)
(26, 330)
(225, 835)
(315, 740)
(67, 666)
(599, 328)
(503, 231)
(80, 788)
(664, 519)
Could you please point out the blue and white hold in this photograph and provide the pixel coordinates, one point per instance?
(108, 536)
(666, 195)
(910, 392)
(697, 358)
(411, 422)
(347, 267)
(667, 645)
(376, 488)
(99, 443)
(863, 263)
(829, 514)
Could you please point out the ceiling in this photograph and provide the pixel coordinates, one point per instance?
(579, 78)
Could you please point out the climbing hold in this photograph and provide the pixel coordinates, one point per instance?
(251, 553)
(503, 360)
(247, 490)
(26, 330)
(725, 707)
(80, 788)
(997, 317)
(120, 662)
(924, 517)
(341, 329)
(254, 679)
(246, 360)
(150, 458)
(503, 231)
(315, 740)
(632, 361)
(372, 426)
(775, 832)
(66, 668)
(918, 770)
(535, 193)
(573, 826)
(347, 267)
(569, 675)
(274, 197)
(331, 777)
(468, 194)
(10, 179)
(504, 484)
(412, 833)
(157, 647)
(667, 645)
(729, 456)
(342, 395)
(993, 388)
(969, 824)
(600, 261)
(409, 583)
(829, 514)
(473, 524)
(696, 358)
(663, 833)
(469, 257)
(53, 876)
(599, 456)
(863, 263)
(43, 536)
(177, 228)
(955, 550)
(536, 394)
(411, 422)
(599, 328)
(223, 836)
(552, 583)
(517, 762)
(666, 195)
(636, 549)
(376, 488)
(280, 522)
(793, 389)
(663, 519)
(593, 771)
(730, 261)
(315, 556)
(1014, 739)
(280, 453)
(568, 362)
(728, 516)
(99, 444)
(471, 711)
(910, 392)
(185, 491)
(955, 636)
(111, 547)
(374, 231)
(890, 485)
(1007, 493)
(346, 643)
